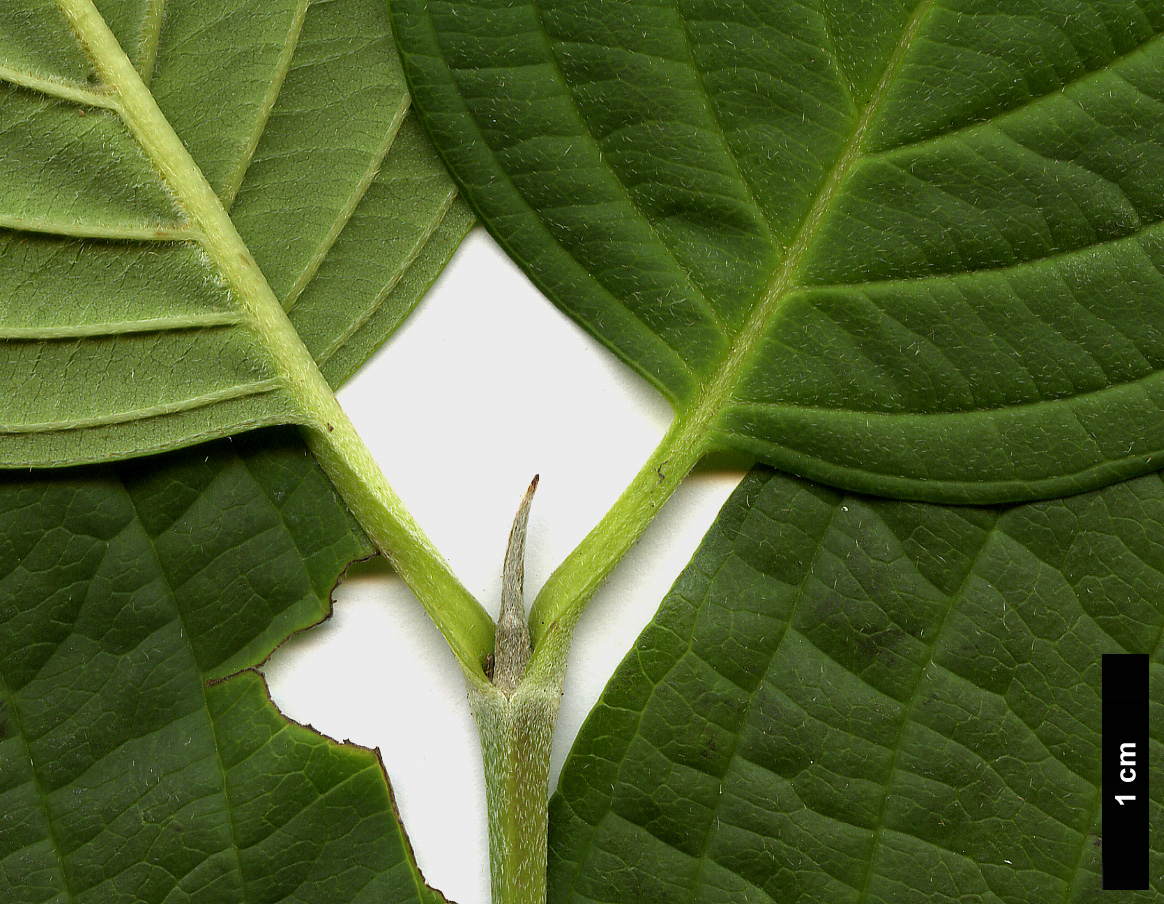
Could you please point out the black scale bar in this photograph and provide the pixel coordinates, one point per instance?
(1125, 771)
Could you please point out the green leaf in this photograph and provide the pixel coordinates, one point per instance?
(911, 248)
(308, 187)
(132, 768)
(851, 699)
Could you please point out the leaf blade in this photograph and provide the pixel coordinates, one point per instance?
(839, 686)
(142, 377)
(598, 152)
(138, 762)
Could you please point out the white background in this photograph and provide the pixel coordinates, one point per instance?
(485, 385)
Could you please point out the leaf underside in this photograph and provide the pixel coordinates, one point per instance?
(908, 248)
(137, 762)
(847, 699)
(118, 333)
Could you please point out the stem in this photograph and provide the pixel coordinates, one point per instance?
(345, 459)
(516, 728)
(516, 737)
(517, 731)
(569, 588)
(330, 435)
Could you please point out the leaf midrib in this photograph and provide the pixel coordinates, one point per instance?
(41, 794)
(904, 722)
(714, 396)
(811, 560)
(691, 436)
(265, 316)
(155, 554)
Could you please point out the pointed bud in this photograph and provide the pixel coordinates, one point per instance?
(511, 648)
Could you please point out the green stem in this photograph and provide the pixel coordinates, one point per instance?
(566, 593)
(570, 587)
(516, 730)
(465, 624)
(330, 434)
(516, 738)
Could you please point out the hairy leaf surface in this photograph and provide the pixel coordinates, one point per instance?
(130, 770)
(847, 699)
(911, 248)
(127, 313)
